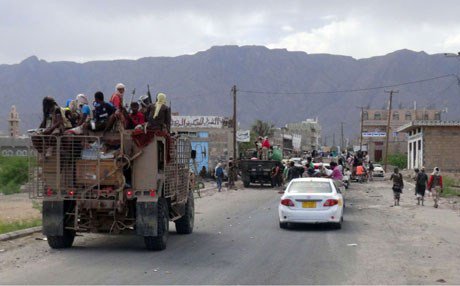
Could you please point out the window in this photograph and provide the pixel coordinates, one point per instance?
(310, 187)
(408, 116)
(425, 116)
(377, 116)
(365, 115)
(395, 115)
(437, 116)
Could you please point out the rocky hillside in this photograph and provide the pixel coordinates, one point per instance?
(200, 84)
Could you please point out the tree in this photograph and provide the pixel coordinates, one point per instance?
(262, 128)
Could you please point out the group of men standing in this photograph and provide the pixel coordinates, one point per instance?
(79, 117)
(422, 183)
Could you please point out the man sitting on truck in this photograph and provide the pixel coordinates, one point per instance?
(135, 118)
(103, 112)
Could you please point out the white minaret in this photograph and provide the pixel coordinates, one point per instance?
(13, 121)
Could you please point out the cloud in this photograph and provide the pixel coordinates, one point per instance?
(88, 30)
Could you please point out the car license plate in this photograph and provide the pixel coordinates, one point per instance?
(309, 205)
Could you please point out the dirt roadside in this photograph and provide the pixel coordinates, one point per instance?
(17, 207)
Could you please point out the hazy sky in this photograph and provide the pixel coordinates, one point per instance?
(99, 30)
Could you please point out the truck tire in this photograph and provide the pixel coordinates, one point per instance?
(159, 242)
(62, 241)
(246, 183)
(184, 225)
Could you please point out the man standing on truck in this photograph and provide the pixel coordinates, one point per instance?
(159, 114)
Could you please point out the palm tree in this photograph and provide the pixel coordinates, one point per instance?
(262, 128)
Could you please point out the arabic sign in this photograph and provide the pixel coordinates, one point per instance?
(197, 121)
(374, 134)
(243, 136)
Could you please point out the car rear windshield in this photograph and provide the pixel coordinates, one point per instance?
(310, 187)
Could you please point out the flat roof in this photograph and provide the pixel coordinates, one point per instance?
(424, 123)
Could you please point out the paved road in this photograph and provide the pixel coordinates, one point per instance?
(237, 240)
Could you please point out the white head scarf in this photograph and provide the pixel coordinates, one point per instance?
(82, 99)
(161, 100)
(435, 171)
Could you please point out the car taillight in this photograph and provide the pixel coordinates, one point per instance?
(287, 202)
(129, 194)
(152, 193)
(331, 202)
(71, 193)
(49, 192)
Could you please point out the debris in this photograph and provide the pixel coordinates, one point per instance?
(2, 250)
(213, 253)
(441, 280)
(251, 237)
(352, 244)
(41, 238)
(155, 270)
(167, 272)
(228, 217)
(219, 233)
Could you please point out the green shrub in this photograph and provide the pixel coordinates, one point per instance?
(398, 160)
(448, 184)
(13, 174)
(18, 225)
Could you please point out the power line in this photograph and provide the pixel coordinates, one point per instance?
(352, 90)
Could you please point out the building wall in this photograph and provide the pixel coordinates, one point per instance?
(310, 131)
(375, 120)
(218, 143)
(441, 147)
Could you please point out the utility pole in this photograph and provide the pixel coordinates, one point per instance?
(333, 139)
(361, 132)
(388, 126)
(341, 136)
(234, 125)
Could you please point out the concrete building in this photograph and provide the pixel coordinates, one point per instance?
(310, 132)
(433, 143)
(375, 124)
(289, 142)
(211, 137)
(13, 122)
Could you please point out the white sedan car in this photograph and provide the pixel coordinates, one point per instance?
(311, 200)
(378, 171)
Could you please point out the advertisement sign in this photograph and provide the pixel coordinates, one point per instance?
(374, 134)
(197, 121)
(243, 136)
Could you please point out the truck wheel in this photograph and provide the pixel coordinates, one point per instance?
(159, 242)
(246, 183)
(62, 241)
(184, 225)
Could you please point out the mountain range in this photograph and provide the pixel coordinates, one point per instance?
(272, 84)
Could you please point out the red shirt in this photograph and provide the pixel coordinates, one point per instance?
(137, 118)
(266, 143)
(117, 100)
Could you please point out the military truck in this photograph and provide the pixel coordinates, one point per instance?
(257, 171)
(132, 182)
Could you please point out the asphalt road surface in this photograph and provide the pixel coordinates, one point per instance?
(237, 240)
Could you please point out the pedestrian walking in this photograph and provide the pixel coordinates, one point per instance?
(219, 173)
(398, 185)
(371, 171)
(435, 185)
(421, 180)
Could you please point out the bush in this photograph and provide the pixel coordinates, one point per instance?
(13, 174)
(448, 186)
(398, 160)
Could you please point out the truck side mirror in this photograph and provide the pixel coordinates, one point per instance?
(193, 154)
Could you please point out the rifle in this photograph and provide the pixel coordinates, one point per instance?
(132, 97)
(149, 94)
